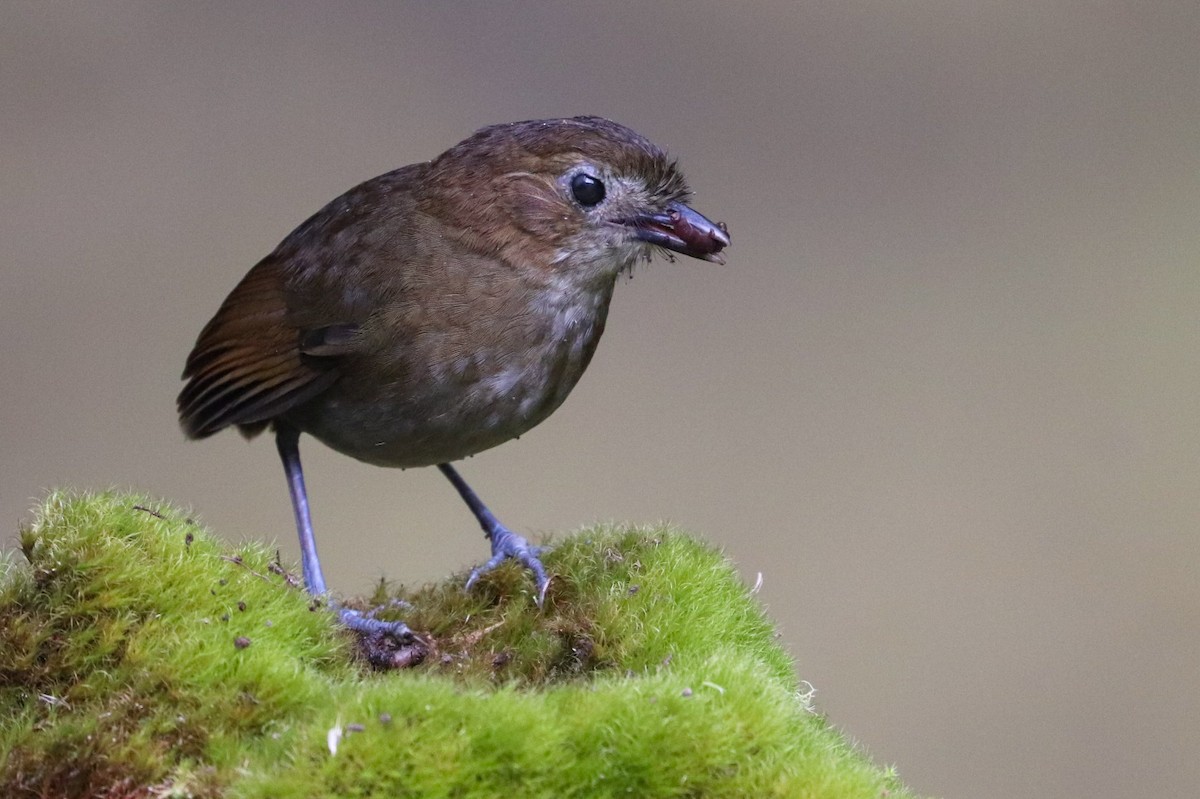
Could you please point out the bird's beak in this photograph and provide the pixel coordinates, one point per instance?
(682, 230)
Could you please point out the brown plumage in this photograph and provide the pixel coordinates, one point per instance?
(445, 307)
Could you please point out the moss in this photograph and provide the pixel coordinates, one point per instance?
(141, 657)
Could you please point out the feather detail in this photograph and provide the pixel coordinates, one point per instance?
(247, 367)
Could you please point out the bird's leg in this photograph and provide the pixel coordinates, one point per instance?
(505, 543)
(287, 440)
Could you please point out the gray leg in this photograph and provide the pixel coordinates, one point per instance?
(505, 543)
(287, 439)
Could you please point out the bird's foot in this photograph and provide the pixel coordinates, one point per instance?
(384, 644)
(507, 544)
(367, 624)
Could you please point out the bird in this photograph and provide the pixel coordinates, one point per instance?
(441, 309)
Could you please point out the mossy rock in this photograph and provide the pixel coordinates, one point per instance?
(140, 656)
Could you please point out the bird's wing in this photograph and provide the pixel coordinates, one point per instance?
(251, 363)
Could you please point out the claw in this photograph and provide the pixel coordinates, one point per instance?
(385, 645)
(367, 624)
(507, 544)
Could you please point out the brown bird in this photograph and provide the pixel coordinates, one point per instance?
(441, 309)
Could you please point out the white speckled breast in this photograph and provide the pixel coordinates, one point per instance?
(481, 386)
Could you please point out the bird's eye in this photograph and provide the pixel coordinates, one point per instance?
(588, 189)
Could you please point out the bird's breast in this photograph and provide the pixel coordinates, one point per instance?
(537, 378)
(468, 383)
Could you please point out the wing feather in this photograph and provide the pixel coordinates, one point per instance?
(247, 367)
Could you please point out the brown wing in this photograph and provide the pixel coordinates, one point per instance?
(247, 366)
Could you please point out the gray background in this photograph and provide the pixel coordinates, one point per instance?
(944, 394)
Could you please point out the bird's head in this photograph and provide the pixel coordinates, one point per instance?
(584, 195)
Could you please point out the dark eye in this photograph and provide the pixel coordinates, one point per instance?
(588, 190)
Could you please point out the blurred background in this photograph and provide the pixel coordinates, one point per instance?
(943, 396)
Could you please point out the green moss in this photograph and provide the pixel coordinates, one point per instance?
(141, 657)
